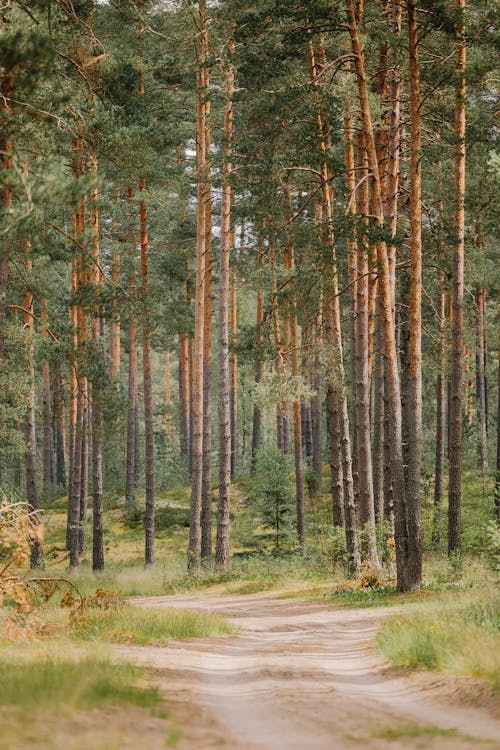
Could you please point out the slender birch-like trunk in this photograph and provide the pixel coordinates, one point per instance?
(47, 437)
(257, 417)
(414, 521)
(457, 353)
(233, 377)
(440, 416)
(226, 243)
(481, 388)
(194, 547)
(97, 480)
(29, 419)
(149, 521)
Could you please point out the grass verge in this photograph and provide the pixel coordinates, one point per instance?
(459, 634)
(127, 624)
(33, 684)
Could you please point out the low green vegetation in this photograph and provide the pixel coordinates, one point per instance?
(35, 683)
(394, 732)
(456, 634)
(127, 624)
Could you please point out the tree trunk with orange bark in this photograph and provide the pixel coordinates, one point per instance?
(386, 298)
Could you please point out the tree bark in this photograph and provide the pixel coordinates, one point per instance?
(317, 411)
(456, 370)
(47, 438)
(194, 547)
(233, 363)
(133, 393)
(149, 520)
(440, 417)
(97, 481)
(481, 390)
(206, 487)
(257, 417)
(497, 467)
(59, 424)
(168, 397)
(184, 395)
(29, 420)
(386, 298)
(225, 381)
(414, 521)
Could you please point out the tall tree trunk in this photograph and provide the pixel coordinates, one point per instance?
(440, 417)
(293, 346)
(59, 424)
(115, 327)
(206, 488)
(386, 299)
(97, 482)
(234, 380)
(352, 265)
(480, 300)
(184, 395)
(333, 335)
(47, 439)
(133, 391)
(317, 410)
(29, 420)
(362, 382)
(391, 219)
(378, 423)
(168, 397)
(149, 521)
(414, 521)
(456, 370)
(257, 417)
(497, 466)
(203, 171)
(225, 384)
(6, 87)
(334, 443)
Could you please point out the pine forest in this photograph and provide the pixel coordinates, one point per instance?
(249, 374)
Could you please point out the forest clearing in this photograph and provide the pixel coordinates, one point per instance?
(249, 374)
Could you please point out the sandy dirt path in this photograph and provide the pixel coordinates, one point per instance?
(302, 676)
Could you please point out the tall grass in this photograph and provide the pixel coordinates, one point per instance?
(459, 634)
(36, 683)
(127, 624)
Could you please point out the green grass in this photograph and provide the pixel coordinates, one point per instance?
(458, 634)
(127, 624)
(33, 684)
(394, 732)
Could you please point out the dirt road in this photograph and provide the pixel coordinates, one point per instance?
(302, 676)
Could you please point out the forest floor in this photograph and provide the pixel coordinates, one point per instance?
(303, 675)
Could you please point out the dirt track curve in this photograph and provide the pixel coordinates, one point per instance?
(302, 676)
